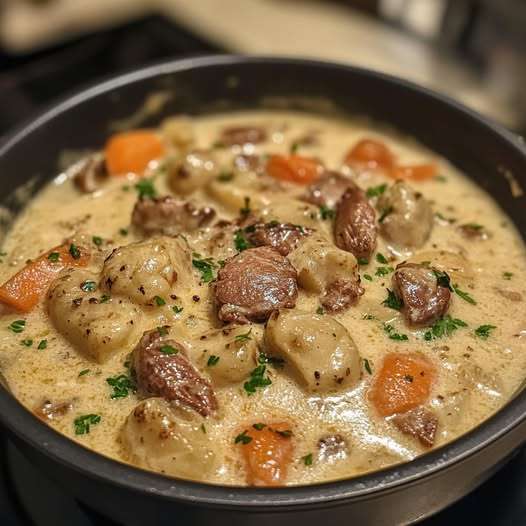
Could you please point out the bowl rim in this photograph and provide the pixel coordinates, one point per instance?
(30, 430)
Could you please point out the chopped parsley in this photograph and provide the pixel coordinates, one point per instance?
(484, 331)
(381, 259)
(54, 257)
(385, 212)
(383, 271)
(443, 279)
(97, 240)
(159, 301)
(367, 366)
(168, 349)
(245, 210)
(88, 285)
(327, 212)
(243, 438)
(286, 433)
(212, 360)
(368, 277)
(320, 310)
(42, 345)
(224, 177)
(146, 189)
(274, 360)
(375, 191)
(259, 426)
(507, 275)
(473, 226)
(363, 261)
(74, 251)
(243, 337)
(27, 342)
(205, 266)
(203, 428)
(392, 301)
(122, 385)
(177, 309)
(104, 298)
(440, 178)
(307, 459)
(446, 326)
(240, 241)
(84, 372)
(123, 231)
(17, 326)
(84, 422)
(162, 330)
(257, 380)
(464, 295)
(393, 335)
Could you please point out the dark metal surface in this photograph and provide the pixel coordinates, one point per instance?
(396, 495)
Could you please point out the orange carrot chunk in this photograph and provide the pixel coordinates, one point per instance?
(371, 153)
(24, 290)
(416, 172)
(267, 450)
(403, 383)
(294, 168)
(132, 151)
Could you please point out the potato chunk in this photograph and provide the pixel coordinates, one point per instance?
(319, 352)
(150, 268)
(96, 325)
(169, 439)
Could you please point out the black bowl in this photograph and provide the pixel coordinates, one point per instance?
(397, 495)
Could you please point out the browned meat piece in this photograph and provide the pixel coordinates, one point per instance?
(90, 174)
(253, 284)
(284, 237)
(49, 410)
(249, 163)
(333, 447)
(163, 369)
(406, 217)
(418, 423)
(341, 294)
(242, 135)
(355, 227)
(473, 231)
(425, 298)
(328, 190)
(169, 216)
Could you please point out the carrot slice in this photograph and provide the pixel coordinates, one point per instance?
(295, 168)
(132, 151)
(416, 172)
(267, 452)
(403, 383)
(371, 153)
(24, 290)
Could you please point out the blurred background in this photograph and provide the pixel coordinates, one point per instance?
(472, 50)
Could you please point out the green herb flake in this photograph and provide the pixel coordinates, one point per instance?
(446, 326)
(97, 240)
(159, 301)
(88, 286)
(42, 345)
(122, 385)
(54, 257)
(240, 241)
(225, 177)
(393, 335)
(168, 349)
(27, 343)
(375, 191)
(84, 372)
(286, 433)
(440, 178)
(203, 428)
(146, 189)
(294, 148)
(83, 423)
(243, 337)
(74, 251)
(368, 277)
(381, 259)
(243, 438)
(17, 326)
(392, 301)
(483, 331)
(245, 210)
(320, 310)
(385, 212)
(326, 212)
(363, 261)
(383, 271)
(257, 380)
(259, 426)
(204, 266)
(123, 231)
(104, 298)
(177, 309)
(367, 366)
(212, 360)
(307, 459)
(507, 275)
(162, 330)
(443, 279)
(464, 295)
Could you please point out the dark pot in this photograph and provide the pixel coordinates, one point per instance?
(397, 495)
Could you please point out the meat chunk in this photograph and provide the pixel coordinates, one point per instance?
(242, 135)
(342, 294)
(169, 216)
(328, 190)
(419, 423)
(163, 369)
(253, 284)
(355, 227)
(193, 171)
(333, 447)
(49, 410)
(424, 292)
(284, 237)
(406, 217)
(89, 174)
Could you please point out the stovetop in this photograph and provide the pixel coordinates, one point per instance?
(27, 498)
